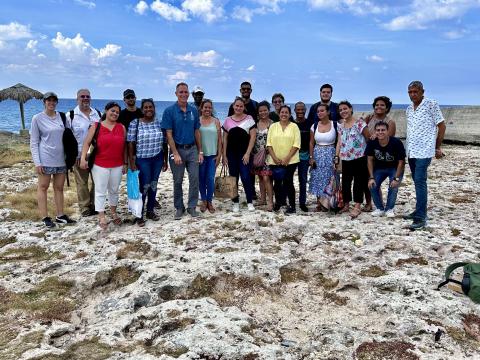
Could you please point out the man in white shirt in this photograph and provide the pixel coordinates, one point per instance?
(423, 143)
(81, 118)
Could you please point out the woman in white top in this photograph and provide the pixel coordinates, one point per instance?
(322, 152)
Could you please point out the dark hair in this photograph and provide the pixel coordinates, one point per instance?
(108, 106)
(278, 95)
(286, 107)
(381, 123)
(385, 99)
(181, 84)
(416, 84)
(326, 86)
(204, 101)
(245, 83)
(263, 103)
(325, 106)
(150, 100)
(299, 103)
(345, 102)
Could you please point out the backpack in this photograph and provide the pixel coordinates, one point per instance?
(471, 279)
(70, 146)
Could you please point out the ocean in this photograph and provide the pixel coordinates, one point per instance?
(10, 110)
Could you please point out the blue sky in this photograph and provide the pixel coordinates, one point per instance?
(364, 48)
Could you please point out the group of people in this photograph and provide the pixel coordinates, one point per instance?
(253, 140)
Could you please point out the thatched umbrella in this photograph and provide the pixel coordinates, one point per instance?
(22, 94)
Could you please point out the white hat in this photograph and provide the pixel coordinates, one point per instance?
(197, 89)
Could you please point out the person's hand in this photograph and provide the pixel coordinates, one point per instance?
(394, 183)
(311, 161)
(200, 158)
(83, 164)
(277, 161)
(133, 166)
(218, 158)
(224, 161)
(77, 162)
(124, 168)
(438, 153)
(39, 170)
(372, 184)
(177, 159)
(165, 166)
(246, 158)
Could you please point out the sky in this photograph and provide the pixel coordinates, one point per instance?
(364, 48)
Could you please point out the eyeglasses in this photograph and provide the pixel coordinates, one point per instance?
(277, 101)
(128, 97)
(84, 96)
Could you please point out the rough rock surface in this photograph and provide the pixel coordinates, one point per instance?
(253, 285)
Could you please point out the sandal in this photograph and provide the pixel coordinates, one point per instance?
(345, 209)
(140, 222)
(355, 212)
(367, 208)
(117, 221)
(203, 206)
(210, 207)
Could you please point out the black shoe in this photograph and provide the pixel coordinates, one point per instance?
(418, 225)
(89, 212)
(48, 222)
(157, 205)
(290, 210)
(64, 219)
(276, 207)
(410, 216)
(152, 216)
(304, 208)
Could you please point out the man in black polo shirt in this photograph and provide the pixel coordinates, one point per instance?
(250, 104)
(386, 158)
(131, 112)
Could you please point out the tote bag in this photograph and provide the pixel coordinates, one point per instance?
(225, 185)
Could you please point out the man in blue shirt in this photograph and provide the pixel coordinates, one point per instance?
(182, 124)
(326, 91)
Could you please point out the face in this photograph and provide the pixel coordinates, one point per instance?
(322, 112)
(129, 100)
(345, 111)
(51, 104)
(182, 94)
(197, 97)
(112, 113)
(239, 107)
(245, 91)
(415, 94)
(277, 103)
(300, 111)
(207, 109)
(326, 95)
(83, 99)
(263, 112)
(380, 107)
(284, 114)
(381, 132)
(148, 110)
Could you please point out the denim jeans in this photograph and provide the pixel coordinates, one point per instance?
(206, 179)
(419, 167)
(190, 162)
(237, 168)
(380, 175)
(302, 180)
(148, 178)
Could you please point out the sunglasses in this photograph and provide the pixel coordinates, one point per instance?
(245, 89)
(129, 97)
(84, 96)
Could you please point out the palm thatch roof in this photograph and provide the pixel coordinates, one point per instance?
(20, 93)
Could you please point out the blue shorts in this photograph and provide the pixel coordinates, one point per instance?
(47, 170)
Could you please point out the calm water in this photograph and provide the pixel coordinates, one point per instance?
(10, 111)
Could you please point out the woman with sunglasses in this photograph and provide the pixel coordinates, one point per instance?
(110, 161)
(147, 152)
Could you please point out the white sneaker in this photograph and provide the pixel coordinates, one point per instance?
(250, 207)
(377, 213)
(236, 207)
(389, 213)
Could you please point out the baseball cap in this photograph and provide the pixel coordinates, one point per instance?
(197, 89)
(49, 94)
(129, 92)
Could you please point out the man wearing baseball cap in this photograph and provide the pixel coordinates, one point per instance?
(197, 94)
(131, 112)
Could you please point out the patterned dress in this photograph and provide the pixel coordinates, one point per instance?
(260, 145)
(321, 176)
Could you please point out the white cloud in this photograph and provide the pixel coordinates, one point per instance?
(208, 10)
(178, 77)
(242, 13)
(375, 58)
(424, 12)
(137, 58)
(358, 7)
(250, 68)
(14, 31)
(168, 11)
(201, 59)
(455, 34)
(78, 50)
(32, 45)
(264, 6)
(88, 4)
(141, 7)
(356, 69)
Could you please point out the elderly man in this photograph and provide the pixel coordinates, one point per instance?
(326, 91)
(423, 143)
(81, 118)
(182, 124)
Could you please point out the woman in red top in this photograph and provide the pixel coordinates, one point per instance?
(110, 161)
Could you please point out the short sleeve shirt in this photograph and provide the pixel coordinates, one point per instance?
(352, 141)
(422, 129)
(149, 140)
(386, 156)
(238, 136)
(182, 123)
(282, 141)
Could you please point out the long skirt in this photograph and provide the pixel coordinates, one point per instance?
(320, 177)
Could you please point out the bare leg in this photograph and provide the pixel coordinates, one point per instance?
(269, 190)
(58, 182)
(43, 184)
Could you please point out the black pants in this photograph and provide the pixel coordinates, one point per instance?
(284, 188)
(356, 171)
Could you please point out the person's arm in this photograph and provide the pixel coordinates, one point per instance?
(86, 145)
(440, 135)
(400, 168)
(125, 151)
(292, 152)
(392, 128)
(276, 160)
(251, 143)
(336, 159)
(35, 145)
(366, 133)
(371, 179)
(171, 143)
(224, 149)
(198, 142)
(311, 147)
(219, 143)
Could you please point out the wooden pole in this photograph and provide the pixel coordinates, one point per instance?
(22, 115)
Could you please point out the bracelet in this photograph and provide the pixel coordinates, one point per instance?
(201, 152)
(371, 178)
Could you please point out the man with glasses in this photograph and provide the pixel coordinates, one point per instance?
(81, 118)
(250, 104)
(131, 111)
(326, 91)
(182, 125)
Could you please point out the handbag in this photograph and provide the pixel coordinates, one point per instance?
(135, 203)
(94, 147)
(259, 158)
(225, 186)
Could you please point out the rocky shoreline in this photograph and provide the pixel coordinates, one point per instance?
(244, 286)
